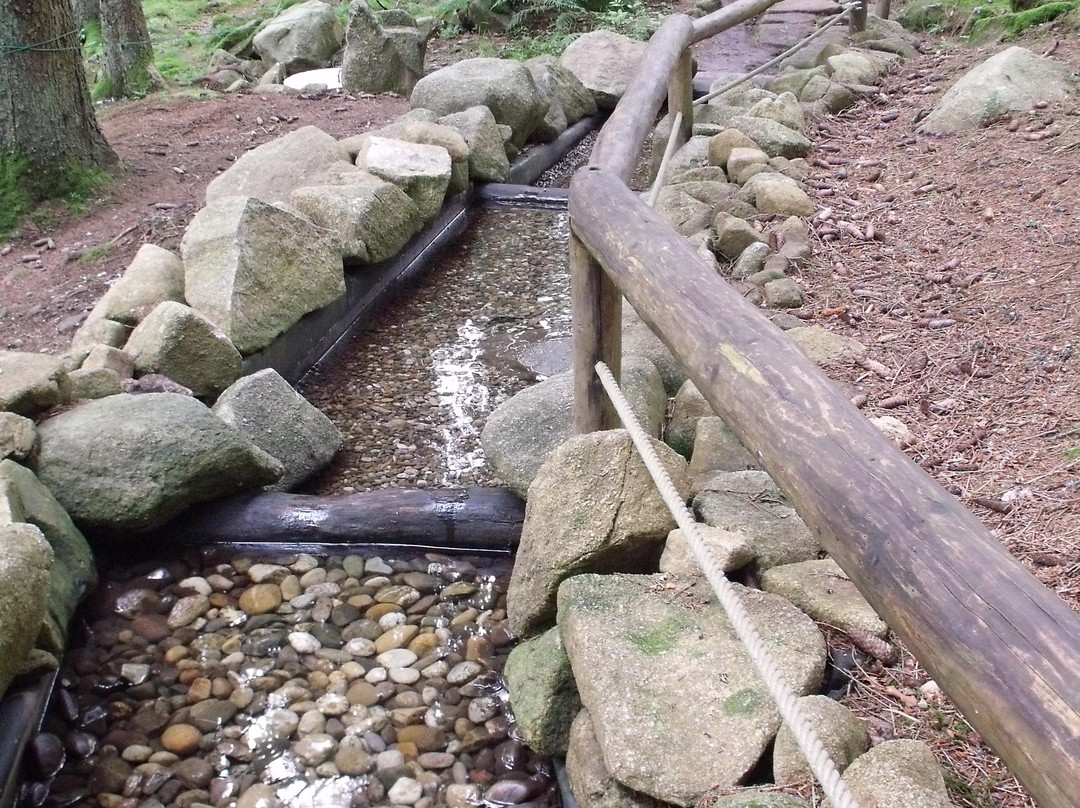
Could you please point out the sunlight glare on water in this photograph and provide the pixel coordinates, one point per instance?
(459, 375)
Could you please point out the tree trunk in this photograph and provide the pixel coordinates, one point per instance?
(86, 11)
(45, 109)
(129, 58)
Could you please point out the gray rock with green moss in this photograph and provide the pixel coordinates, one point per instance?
(592, 507)
(25, 557)
(302, 37)
(732, 551)
(421, 170)
(756, 798)
(543, 695)
(254, 269)
(718, 448)
(824, 591)
(153, 276)
(677, 706)
(749, 502)
(24, 499)
(1013, 79)
(487, 156)
(129, 463)
(688, 408)
(265, 408)
(773, 138)
(17, 436)
(604, 62)
(898, 774)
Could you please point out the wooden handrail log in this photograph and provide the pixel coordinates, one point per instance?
(1002, 646)
(728, 17)
(620, 141)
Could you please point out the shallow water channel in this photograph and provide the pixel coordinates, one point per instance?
(411, 392)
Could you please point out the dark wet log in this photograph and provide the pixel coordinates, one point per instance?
(1003, 647)
(729, 17)
(486, 519)
(622, 137)
(596, 308)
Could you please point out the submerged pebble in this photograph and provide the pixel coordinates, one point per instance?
(376, 681)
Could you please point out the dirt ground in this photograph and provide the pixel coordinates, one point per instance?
(954, 260)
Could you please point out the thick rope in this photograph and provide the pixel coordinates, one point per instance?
(787, 703)
(776, 60)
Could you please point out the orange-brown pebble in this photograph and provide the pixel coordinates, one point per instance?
(189, 675)
(408, 749)
(379, 609)
(478, 648)
(260, 598)
(181, 739)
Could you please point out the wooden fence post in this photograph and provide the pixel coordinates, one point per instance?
(857, 21)
(596, 307)
(681, 95)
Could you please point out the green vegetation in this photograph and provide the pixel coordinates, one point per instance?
(952, 16)
(92, 254)
(744, 702)
(22, 184)
(1012, 25)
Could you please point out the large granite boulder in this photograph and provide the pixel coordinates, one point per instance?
(132, 462)
(382, 53)
(718, 448)
(568, 99)
(430, 133)
(592, 508)
(372, 218)
(254, 269)
(487, 155)
(604, 62)
(773, 138)
(1013, 79)
(731, 551)
(179, 342)
(30, 382)
(749, 502)
(303, 37)
(277, 419)
(523, 431)
(272, 171)
(542, 693)
(646, 663)
(503, 86)
(153, 276)
(421, 170)
(25, 557)
(823, 590)
(72, 573)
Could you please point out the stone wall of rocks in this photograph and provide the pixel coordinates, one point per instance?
(630, 667)
(148, 412)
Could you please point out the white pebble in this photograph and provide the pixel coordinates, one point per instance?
(304, 563)
(389, 759)
(404, 676)
(375, 675)
(359, 646)
(304, 643)
(196, 584)
(332, 704)
(260, 572)
(405, 791)
(396, 658)
(392, 620)
(463, 672)
(436, 670)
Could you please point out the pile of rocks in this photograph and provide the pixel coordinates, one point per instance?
(269, 247)
(631, 669)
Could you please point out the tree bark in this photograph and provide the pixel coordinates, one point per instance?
(86, 11)
(45, 109)
(129, 57)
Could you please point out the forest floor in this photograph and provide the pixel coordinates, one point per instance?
(966, 297)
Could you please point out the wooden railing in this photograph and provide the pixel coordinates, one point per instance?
(1004, 648)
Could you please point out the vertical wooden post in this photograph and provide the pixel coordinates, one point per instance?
(857, 21)
(596, 307)
(681, 95)
(883, 8)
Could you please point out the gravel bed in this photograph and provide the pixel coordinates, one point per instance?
(290, 681)
(412, 391)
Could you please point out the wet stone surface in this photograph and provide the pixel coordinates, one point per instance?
(411, 392)
(343, 681)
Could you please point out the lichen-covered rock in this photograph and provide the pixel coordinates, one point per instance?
(568, 98)
(272, 171)
(179, 342)
(733, 235)
(503, 86)
(773, 138)
(17, 436)
(824, 346)
(646, 667)
(72, 573)
(25, 557)
(254, 269)
(277, 419)
(542, 693)
(592, 507)
(823, 590)
(382, 54)
(749, 502)
(732, 551)
(898, 774)
(89, 383)
(30, 382)
(99, 332)
(153, 276)
(302, 37)
(684, 213)
(604, 62)
(840, 730)
(590, 781)
(718, 448)
(487, 156)
(372, 218)
(522, 432)
(421, 170)
(131, 463)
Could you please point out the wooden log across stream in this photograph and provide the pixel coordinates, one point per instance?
(1003, 647)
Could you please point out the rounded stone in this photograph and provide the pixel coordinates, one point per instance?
(181, 739)
(397, 658)
(260, 598)
(406, 791)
